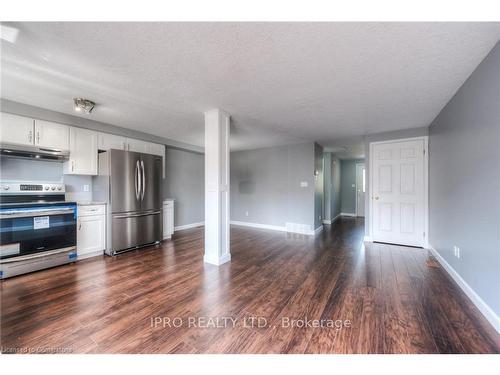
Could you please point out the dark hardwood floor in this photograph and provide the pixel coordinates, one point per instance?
(370, 299)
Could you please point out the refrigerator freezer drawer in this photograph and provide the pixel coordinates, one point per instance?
(134, 230)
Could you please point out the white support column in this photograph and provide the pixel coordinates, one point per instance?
(216, 187)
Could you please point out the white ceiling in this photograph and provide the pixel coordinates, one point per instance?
(281, 82)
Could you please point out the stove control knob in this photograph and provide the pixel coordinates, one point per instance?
(6, 187)
(52, 188)
(46, 188)
(59, 188)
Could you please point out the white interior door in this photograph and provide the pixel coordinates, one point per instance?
(360, 190)
(398, 195)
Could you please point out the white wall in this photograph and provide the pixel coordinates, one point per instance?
(464, 176)
(184, 182)
(265, 183)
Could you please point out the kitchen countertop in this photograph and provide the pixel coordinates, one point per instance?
(91, 203)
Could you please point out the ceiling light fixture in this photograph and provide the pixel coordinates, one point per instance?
(83, 105)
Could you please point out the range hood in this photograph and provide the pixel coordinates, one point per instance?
(33, 152)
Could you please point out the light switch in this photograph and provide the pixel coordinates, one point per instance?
(86, 187)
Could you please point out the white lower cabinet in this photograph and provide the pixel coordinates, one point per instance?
(168, 218)
(91, 231)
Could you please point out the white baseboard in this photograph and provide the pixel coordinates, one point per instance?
(257, 225)
(189, 226)
(488, 313)
(347, 214)
(217, 261)
(275, 227)
(331, 221)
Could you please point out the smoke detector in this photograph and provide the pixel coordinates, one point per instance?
(83, 105)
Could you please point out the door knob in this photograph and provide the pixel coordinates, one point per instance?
(376, 198)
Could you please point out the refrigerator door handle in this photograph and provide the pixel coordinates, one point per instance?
(137, 181)
(136, 215)
(143, 181)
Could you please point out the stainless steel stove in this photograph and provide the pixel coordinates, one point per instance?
(37, 227)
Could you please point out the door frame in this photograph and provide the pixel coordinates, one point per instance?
(356, 200)
(425, 139)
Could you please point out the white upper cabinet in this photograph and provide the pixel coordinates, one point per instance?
(83, 152)
(51, 135)
(108, 141)
(16, 130)
(82, 144)
(25, 131)
(137, 145)
(157, 149)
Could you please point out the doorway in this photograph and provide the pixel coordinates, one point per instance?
(360, 189)
(398, 191)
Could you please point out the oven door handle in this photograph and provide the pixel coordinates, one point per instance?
(63, 211)
(37, 255)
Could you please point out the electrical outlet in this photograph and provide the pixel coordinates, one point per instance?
(303, 184)
(246, 213)
(86, 187)
(456, 251)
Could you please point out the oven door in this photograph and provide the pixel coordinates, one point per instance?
(34, 230)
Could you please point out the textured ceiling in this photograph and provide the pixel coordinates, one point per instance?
(281, 82)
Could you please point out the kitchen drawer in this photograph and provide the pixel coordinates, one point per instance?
(91, 210)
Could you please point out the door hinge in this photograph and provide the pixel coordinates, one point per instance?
(424, 151)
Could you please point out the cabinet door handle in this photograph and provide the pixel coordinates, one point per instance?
(30, 136)
(79, 224)
(72, 165)
(37, 137)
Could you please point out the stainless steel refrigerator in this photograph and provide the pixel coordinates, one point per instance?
(130, 182)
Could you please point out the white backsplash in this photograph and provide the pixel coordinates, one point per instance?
(36, 170)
